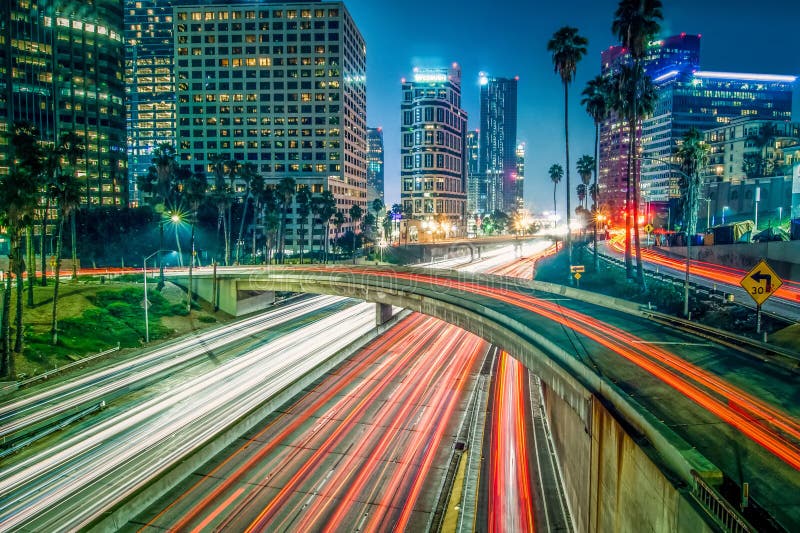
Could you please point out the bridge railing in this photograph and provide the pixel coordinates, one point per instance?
(720, 510)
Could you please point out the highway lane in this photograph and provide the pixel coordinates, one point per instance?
(26, 410)
(508, 473)
(72, 482)
(362, 450)
(785, 302)
(727, 404)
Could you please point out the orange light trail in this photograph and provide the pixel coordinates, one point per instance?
(790, 290)
(657, 361)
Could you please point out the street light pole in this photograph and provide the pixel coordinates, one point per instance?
(688, 237)
(146, 303)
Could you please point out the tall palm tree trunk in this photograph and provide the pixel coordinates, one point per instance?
(18, 263)
(191, 267)
(54, 319)
(42, 241)
(239, 241)
(636, 181)
(74, 235)
(256, 214)
(629, 202)
(569, 190)
(226, 233)
(596, 192)
(7, 368)
(30, 262)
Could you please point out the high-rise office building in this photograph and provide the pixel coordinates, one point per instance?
(473, 181)
(375, 183)
(686, 97)
(519, 185)
(278, 85)
(61, 70)
(702, 100)
(677, 53)
(434, 162)
(498, 143)
(150, 84)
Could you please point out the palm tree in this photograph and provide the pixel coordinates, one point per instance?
(192, 191)
(760, 165)
(692, 152)
(377, 206)
(247, 174)
(222, 198)
(580, 190)
(338, 221)
(586, 167)
(635, 24)
(633, 88)
(355, 215)
(286, 190)
(52, 167)
(234, 169)
(67, 194)
(596, 101)
(303, 201)
(159, 183)
(567, 48)
(257, 189)
(18, 200)
(327, 208)
(556, 173)
(72, 145)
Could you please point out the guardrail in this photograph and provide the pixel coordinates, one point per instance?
(728, 518)
(52, 429)
(68, 366)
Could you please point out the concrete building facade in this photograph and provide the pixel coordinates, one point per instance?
(278, 85)
(433, 154)
(61, 69)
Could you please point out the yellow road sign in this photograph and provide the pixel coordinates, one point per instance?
(761, 282)
(577, 275)
(648, 228)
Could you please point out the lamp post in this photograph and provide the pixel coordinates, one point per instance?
(708, 212)
(688, 237)
(755, 212)
(146, 303)
(382, 245)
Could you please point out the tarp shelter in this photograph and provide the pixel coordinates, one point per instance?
(771, 234)
(733, 232)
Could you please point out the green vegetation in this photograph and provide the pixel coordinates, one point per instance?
(612, 281)
(93, 318)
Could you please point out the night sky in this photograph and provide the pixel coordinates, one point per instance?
(508, 38)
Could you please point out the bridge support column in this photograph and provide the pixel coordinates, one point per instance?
(383, 313)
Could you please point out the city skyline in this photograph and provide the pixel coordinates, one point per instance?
(485, 38)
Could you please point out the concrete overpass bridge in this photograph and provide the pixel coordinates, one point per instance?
(651, 424)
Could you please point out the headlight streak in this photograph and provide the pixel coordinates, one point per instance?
(116, 451)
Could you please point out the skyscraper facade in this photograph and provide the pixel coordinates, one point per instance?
(519, 187)
(702, 100)
(498, 143)
(281, 86)
(686, 97)
(434, 162)
(375, 184)
(473, 181)
(676, 53)
(61, 70)
(149, 81)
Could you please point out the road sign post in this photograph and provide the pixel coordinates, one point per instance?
(760, 283)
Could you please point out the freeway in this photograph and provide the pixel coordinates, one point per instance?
(27, 411)
(784, 303)
(71, 482)
(362, 450)
(736, 410)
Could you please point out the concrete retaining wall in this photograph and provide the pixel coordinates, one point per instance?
(610, 481)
